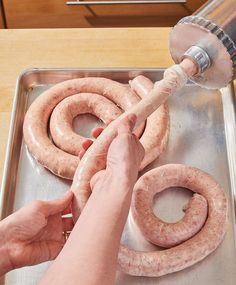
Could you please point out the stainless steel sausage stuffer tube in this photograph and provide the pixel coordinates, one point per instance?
(208, 38)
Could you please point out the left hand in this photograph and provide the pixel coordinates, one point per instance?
(34, 233)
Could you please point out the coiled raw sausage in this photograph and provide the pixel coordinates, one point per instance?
(64, 163)
(159, 263)
(62, 117)
(154, 229)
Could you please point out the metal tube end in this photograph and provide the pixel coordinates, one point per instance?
(199, 56)
(208, 46)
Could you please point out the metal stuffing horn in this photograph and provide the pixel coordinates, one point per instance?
(208, 38)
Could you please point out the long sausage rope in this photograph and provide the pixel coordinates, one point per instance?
(199, 245)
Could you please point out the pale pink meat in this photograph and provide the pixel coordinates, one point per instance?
(154, 229)
(156, 133)
(61, 122)
(63, 160)
(36, 120)
(158, 263)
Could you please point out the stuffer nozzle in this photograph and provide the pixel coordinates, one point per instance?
(208, 38)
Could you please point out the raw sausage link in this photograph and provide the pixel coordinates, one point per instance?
(154, 229)
(64, 163)
(62, 117)
(61, 121)
(156, 133)
(36, 119)
(159, 263)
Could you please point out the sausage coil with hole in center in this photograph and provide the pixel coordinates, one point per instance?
(73, 97)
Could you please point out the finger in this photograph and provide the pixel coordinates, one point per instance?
(59, 205)
(67, 224)
(127, 124)
(52, 248)
(137, 142)
(96, 132)
(67, 211)
(86, 144)
(96, 177)
(141, 151)
(81, 153)
(139, 147)
(140, 130)
(44, 251)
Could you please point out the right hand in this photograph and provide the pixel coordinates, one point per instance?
(123, 158)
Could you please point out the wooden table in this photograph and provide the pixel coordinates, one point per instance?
(21, 49)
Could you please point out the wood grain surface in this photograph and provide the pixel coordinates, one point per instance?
(1, 17)
(56, 14)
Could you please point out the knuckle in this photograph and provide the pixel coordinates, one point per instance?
(38, 205)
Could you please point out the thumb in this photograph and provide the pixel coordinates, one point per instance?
(127, 124)
(96, 177)
(59, 205)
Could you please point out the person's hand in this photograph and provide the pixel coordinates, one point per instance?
(34, 233)
(123, 159)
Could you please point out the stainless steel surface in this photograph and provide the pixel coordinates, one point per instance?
(222, 13)
(229, 110)
(213, 28)
(201, 128)
(115, 2)
(192, 33)
(228, 42)
(199, 56)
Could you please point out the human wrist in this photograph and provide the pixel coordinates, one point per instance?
(126, 180)
(5, 262)
(121, 187)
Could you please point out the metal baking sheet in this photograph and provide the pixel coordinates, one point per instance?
(202, 134)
